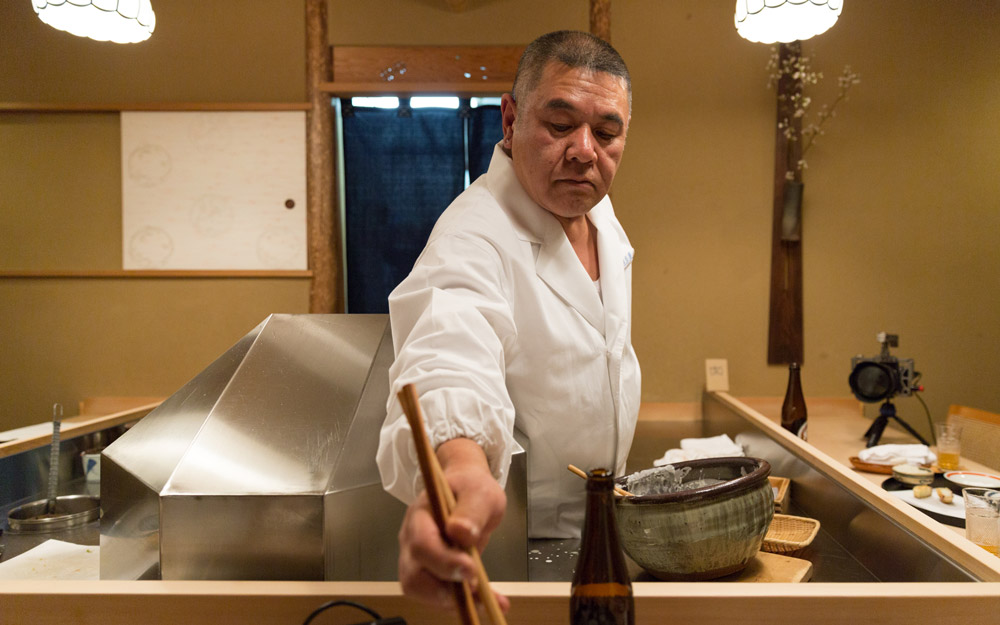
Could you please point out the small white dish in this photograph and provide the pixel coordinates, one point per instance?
(955, 509)
(967, 479)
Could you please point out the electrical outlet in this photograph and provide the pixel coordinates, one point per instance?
(716, 374)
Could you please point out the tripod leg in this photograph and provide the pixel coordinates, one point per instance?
(909, 429)
(874, 432)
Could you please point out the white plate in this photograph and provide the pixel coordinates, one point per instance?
(955, 509)
(973, 478)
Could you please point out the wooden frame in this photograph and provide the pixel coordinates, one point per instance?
(408, 70)
(453, 65)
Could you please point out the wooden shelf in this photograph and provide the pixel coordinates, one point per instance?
(148, 273)
(116, 107)
(403, 88)
(79, 425)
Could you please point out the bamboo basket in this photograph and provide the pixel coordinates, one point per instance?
(788, 534)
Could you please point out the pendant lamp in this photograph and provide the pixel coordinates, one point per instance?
(784, 21)
(121, 21)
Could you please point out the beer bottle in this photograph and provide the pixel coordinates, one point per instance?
(601, 593)
(793, 410)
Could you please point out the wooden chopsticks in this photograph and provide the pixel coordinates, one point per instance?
(442, 505)
(618, 489)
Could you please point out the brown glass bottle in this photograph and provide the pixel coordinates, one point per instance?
(793, 410)
(601, 593)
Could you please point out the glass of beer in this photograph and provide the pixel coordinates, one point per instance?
(982, 517)
(949, 445)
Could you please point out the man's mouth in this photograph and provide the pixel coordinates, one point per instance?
(582, 182)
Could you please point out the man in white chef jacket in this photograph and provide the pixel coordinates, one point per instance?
(518, 311)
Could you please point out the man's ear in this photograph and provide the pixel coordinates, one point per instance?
(508, 114)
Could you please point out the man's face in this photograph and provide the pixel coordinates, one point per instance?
(566, 137)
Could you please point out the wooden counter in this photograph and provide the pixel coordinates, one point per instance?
(535, 603)
(545, 603)
(837, 427)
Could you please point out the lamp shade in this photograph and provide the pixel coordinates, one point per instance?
(773, 21)
(121, 21)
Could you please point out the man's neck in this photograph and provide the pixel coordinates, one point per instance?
(582, 236)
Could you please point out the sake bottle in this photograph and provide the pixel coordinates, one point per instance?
(601, 593)
(793, 410)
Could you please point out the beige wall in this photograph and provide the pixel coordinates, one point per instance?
(901, 200)
(60, 202)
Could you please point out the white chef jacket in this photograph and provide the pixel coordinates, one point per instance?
(499, 324)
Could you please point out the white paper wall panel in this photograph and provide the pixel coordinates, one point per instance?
(208, 190)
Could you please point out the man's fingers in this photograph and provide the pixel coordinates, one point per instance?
(423, 546)
(478, 511)
(418, 582)
(442, 561)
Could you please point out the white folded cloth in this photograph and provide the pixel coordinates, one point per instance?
(695, 448)
(897, 454)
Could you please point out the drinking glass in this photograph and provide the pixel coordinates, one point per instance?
(982, 517)
(949, 445)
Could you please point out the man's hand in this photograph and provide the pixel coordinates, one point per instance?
(427, 565)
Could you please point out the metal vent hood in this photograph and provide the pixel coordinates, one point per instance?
(263, 467)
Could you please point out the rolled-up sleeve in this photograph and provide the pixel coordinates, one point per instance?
(451, 321)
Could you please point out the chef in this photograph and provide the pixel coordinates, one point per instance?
(518, 313)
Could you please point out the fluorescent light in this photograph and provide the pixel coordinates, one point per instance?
(377, 102)
(441, 102)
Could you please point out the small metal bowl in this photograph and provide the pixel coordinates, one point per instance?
(912, 474)
(70, 511)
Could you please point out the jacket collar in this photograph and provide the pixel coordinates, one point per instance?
(556, 263)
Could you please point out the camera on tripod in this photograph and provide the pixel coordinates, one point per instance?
(884, 376)
(881, 378)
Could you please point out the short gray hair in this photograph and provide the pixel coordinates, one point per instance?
(573, 48)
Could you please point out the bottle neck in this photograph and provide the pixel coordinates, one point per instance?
(600, 503)
(601, 559)
(794, 381)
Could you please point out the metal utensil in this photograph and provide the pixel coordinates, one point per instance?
(57, 414)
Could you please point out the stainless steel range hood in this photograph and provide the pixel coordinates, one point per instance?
(263, 467)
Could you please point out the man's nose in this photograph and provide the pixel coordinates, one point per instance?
(581, 145)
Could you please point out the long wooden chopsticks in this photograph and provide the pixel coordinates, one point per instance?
(442, 505)
(618, 489)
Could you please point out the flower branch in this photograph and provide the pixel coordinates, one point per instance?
(798, 69)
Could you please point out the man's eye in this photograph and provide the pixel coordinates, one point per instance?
(560, 127)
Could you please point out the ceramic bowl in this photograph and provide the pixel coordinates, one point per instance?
(705, 532)
(912, 474)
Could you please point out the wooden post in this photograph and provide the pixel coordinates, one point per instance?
(785, 337)
(600, 19)
(323, 231)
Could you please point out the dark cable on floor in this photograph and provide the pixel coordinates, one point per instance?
(394, 620)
